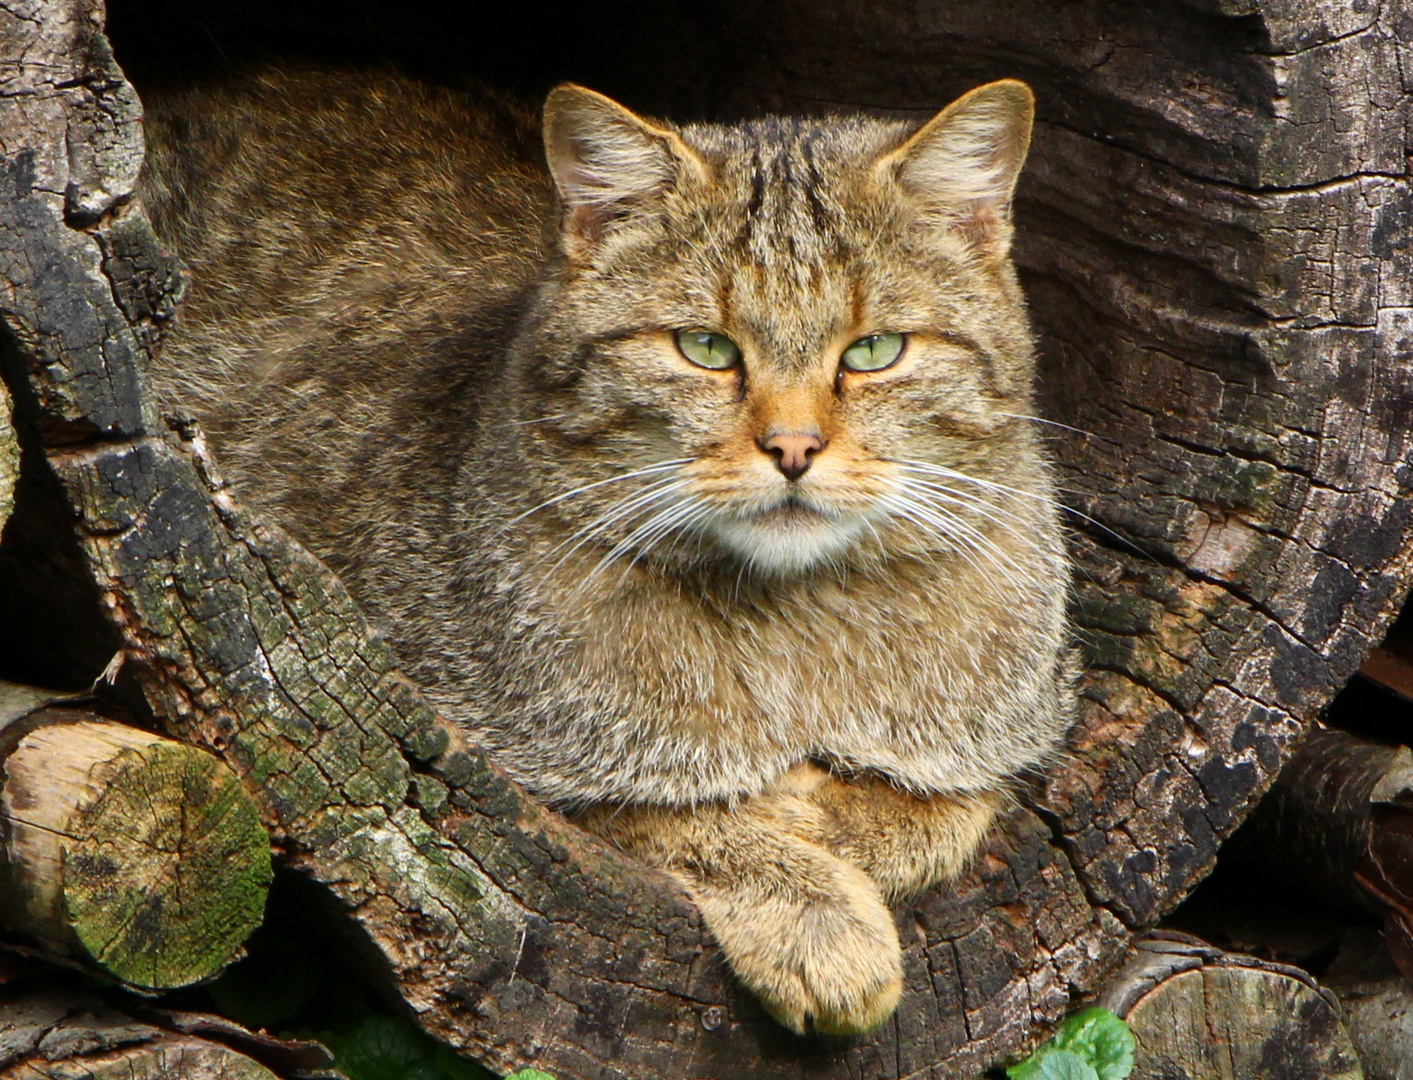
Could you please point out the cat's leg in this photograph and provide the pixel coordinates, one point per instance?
(806, 931)
(904, 843)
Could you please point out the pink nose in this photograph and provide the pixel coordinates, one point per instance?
(793, 453)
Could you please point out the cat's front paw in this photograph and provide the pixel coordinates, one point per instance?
(831, 964)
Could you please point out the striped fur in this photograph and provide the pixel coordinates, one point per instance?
(464, 394)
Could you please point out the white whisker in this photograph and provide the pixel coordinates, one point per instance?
(997, 515)
(962, 538)
(646, 535)
(537, 420)
(622, 510)
(646, 470)
(1051, 423)
(928, 468)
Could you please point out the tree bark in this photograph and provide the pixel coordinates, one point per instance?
(1209, 230)
(1339, 820)
(125, 851)
(1380, 1023)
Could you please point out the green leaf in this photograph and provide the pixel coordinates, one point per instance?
(392, 1048)
(385, 1048)
(1093, 1045)
(1065, 1065)
(1029, 1069)
(1101, 1039)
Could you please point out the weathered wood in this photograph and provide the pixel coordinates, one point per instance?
(51, 1033)
(1209, 228)
(9, 458)
(1197, 1012)
(1339, 820)
(132, 853)
(1379, 1012)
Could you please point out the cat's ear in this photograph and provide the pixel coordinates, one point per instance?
(963, 163)
(608, 162)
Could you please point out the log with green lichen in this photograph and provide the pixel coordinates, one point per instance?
(126, 852)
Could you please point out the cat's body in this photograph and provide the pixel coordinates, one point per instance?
(633, 578)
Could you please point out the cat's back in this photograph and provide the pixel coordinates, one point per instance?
(359, 247)
(276, 178)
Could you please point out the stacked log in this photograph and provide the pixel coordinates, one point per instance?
(1197, 1012)
(1340, 819)
(125, 851)
(1222, 315)
(55, 1034)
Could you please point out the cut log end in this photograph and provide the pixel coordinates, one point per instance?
(129, 851)
(1197, 1012)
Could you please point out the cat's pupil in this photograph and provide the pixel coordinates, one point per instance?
(873, 353)
(707, 349)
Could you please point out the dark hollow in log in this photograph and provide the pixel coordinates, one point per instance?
(130, 853)
(1210, 227)
(1197, 1012)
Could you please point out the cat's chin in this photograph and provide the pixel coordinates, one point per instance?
(789, 540)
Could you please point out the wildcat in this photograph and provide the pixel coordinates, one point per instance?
(688, 468)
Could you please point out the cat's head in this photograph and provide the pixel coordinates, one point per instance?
(781, 340)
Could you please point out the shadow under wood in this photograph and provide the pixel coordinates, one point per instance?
(52, 629)
(308, 967)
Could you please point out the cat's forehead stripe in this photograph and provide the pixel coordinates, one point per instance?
(781, 171)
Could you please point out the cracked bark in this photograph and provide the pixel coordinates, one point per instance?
(1210, 235)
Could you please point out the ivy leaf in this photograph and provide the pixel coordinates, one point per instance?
(530, 1074)
(383, 1048)
(1029, 1069)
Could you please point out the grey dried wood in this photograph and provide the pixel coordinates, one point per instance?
(1380, 1023)
(55, 1035)
(1197, 1012)
(1210, 236)
(51, 1032)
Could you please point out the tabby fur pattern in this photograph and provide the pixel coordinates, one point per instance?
(453, 373)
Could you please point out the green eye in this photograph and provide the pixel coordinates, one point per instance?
(873, 353)
(708, 350)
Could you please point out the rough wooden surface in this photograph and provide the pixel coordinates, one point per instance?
(1210, 230)
(141, 856)
(55, 1033)
(9, 458)
(1198, 1013)
(1339, 821)
(1379, 1015)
